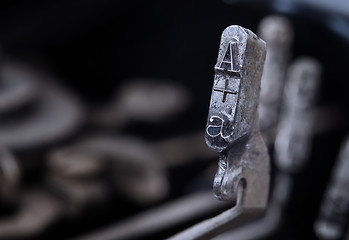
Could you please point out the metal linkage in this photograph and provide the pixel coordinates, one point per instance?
(232, 131)
(277, 31)
(163, 217)
(272, 217)
(298, 110)
(333, 216)
(232, 127)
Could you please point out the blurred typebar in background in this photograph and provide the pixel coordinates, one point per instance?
(103, 106)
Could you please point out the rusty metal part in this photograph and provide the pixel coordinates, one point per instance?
(37, 211)
(18, 87)
(161, 218)
(10, 175)
(236, 88)
(145, 100)
(277, 31)
(333, 216)
(232, 130)
(293, 141)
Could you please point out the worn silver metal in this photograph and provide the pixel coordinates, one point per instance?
(333, 216)
(277, 31)
(295, 105)
(273, 217)
(235, 89)
(232, 130)
(293, 141)
(232, 114)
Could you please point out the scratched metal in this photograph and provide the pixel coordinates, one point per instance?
(295, 131)
(232, 130)
(232, 112)
(230, 118)
(277, 31)
(300, 95)
(333, 216)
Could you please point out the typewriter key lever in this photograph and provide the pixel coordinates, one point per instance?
(232, 131)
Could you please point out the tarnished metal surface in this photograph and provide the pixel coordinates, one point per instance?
(333, 216)
(232, 130)
(298, 108)
(235, 89)
(272, 218)
(67, 169)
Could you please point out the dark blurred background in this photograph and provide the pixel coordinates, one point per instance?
(94, 47)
